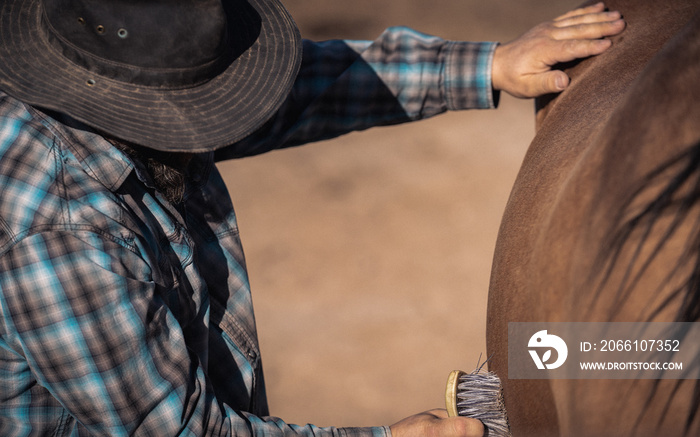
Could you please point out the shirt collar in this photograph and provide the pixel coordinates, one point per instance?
(105, 162)
(101, 160)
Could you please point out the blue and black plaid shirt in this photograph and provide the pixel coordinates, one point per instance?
(121, 313)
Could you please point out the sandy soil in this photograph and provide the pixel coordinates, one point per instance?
(370, 254)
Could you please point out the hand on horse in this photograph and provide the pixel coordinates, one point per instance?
(523, 67)
(436, 423)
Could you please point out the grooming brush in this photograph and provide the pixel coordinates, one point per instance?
(478, 395)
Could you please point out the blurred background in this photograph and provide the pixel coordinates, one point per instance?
(370, 254)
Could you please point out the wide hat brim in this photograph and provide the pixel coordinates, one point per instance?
(198, 118)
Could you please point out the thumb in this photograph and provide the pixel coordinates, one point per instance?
(550, 82)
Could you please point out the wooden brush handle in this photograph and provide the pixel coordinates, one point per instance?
(451, 392)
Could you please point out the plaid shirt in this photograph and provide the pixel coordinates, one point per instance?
(121, 313)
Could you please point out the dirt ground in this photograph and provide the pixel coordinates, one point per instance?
(370, 254)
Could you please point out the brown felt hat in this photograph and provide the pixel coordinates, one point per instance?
(173, 75)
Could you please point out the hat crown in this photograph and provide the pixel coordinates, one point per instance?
(172, 75)
(141, 40)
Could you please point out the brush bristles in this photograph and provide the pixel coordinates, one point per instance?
(480, 396)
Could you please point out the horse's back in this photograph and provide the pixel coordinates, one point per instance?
(580, 239)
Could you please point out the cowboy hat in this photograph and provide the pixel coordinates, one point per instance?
(172, 75)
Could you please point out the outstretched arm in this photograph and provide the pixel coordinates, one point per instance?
(523, 67)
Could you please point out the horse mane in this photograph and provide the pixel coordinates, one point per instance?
(678, 197)
(675, 205)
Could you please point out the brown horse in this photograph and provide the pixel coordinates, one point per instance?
(603, 224)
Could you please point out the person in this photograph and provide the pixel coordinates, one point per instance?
(125, 307)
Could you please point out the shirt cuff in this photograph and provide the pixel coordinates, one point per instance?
(378, 431)
(467, 80)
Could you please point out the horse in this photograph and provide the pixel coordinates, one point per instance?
(603, 225)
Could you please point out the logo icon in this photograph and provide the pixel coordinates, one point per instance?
(542, 340)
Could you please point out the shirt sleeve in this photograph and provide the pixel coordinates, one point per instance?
(96, 339)
(401, 76)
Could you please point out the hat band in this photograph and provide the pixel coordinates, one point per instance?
(167, 78)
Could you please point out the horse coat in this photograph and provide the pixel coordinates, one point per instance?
(603, 224)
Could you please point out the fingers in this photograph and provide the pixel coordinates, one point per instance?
(572, 49)
(551, 82)
(590, 29)
(523, 67)
(462, 427)
(439, 413)
(455, 426)
(436, 422)
(588, 18)
(579, 34)
(598, 7)
(591, 22)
